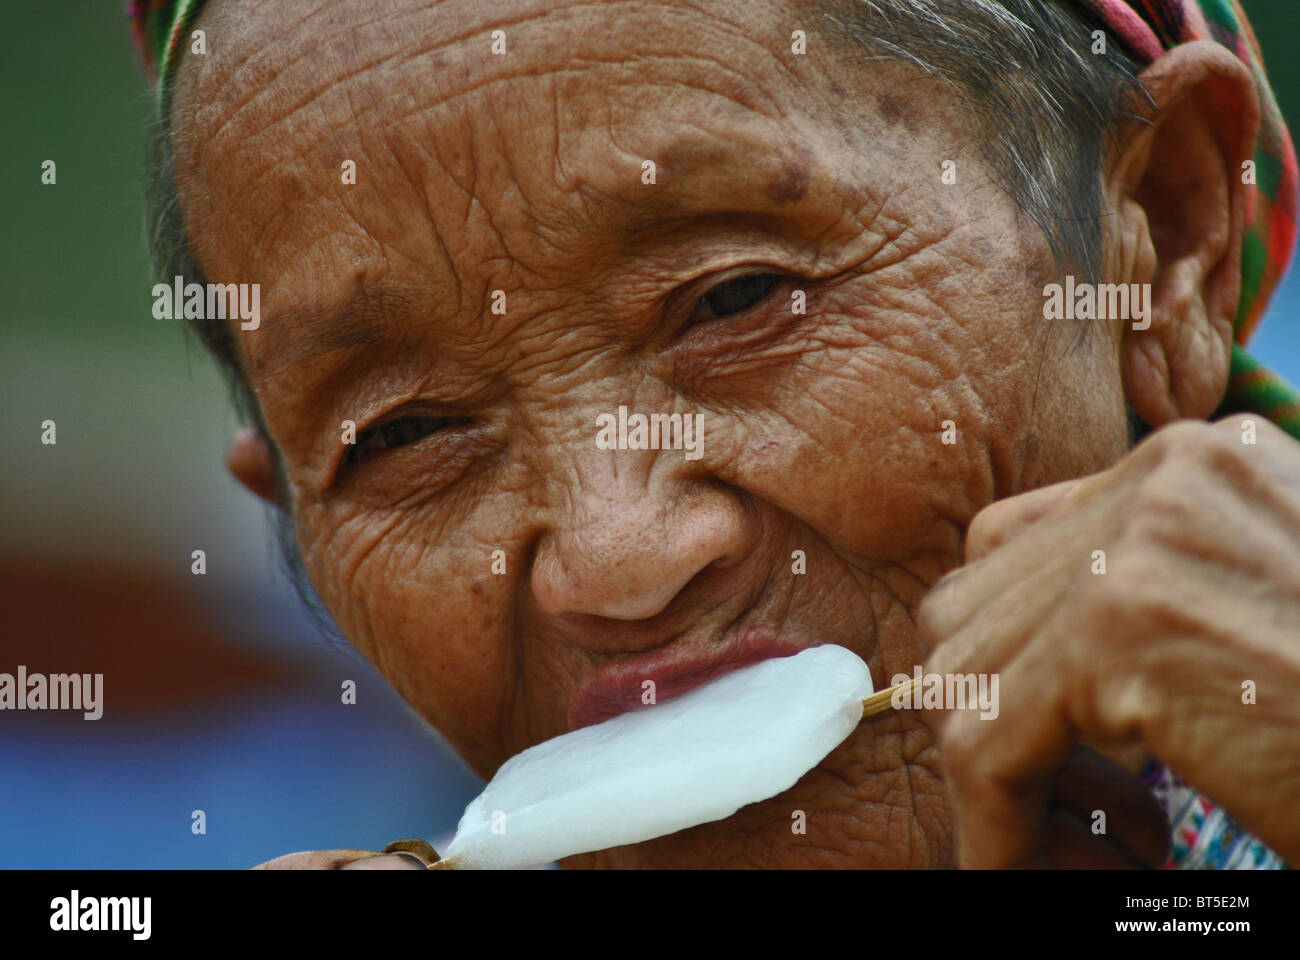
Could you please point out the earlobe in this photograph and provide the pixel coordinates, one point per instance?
(1177, 185)
(252, 463)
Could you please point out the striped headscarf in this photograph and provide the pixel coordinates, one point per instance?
(158, 27)
(1146, 28)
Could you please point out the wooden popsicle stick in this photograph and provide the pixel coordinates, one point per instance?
(882, 701)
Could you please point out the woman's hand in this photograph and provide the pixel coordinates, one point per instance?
(1188, 643)
(412, 854)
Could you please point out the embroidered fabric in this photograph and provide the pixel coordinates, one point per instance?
(1205, 837)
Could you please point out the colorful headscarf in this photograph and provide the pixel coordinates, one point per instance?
(1146, 28)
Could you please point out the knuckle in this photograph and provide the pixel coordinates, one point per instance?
(1124, 703)
(1162, 502)
(1180, 436)
(1170, 506)
(1115, 665)
(1199, 444)
(1187, 446)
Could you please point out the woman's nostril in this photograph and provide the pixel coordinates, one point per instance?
(630, 557)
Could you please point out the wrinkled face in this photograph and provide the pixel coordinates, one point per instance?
(794, 272)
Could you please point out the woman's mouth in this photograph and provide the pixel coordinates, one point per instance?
(642, 680)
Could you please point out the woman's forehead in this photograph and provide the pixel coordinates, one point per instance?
(270, 79)
(534, 157)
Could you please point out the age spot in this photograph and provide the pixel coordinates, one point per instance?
(789, 185)
(895, 111)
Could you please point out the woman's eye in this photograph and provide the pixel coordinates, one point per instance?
(739, 294)
(394, 434)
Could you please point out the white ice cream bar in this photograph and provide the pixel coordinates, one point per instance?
(746, 736)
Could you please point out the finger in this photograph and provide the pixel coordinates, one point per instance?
(387, 861)
(314, 860)
(1069, 844)
(999, 771)
(1004, 520)
(1113, 803)
(982, 613)
(1004, 774)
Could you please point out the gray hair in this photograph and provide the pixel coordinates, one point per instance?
(1048, 107)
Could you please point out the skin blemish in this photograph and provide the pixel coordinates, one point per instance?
(790, 184)
(896, 112)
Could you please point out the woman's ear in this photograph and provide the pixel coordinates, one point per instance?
(1176, 185)
(252, 463)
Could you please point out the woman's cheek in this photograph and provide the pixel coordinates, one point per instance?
(422, 602)
(853, 445)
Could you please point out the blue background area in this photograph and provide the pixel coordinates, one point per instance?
(274, 772)
(271, 775)
(1277, 342)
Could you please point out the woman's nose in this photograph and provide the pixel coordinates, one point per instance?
(626, 551)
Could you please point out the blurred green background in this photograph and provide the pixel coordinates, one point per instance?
(219, 695)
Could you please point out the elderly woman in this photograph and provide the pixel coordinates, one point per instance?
(865, 243)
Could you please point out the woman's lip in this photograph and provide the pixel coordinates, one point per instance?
(618, 687)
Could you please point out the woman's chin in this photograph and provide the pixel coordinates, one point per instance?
(848, 813)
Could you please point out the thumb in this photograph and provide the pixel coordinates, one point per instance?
(1004, 520)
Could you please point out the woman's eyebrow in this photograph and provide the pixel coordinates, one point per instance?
(694, 178)
(291, 338)
(325, 353)
(692, 175)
